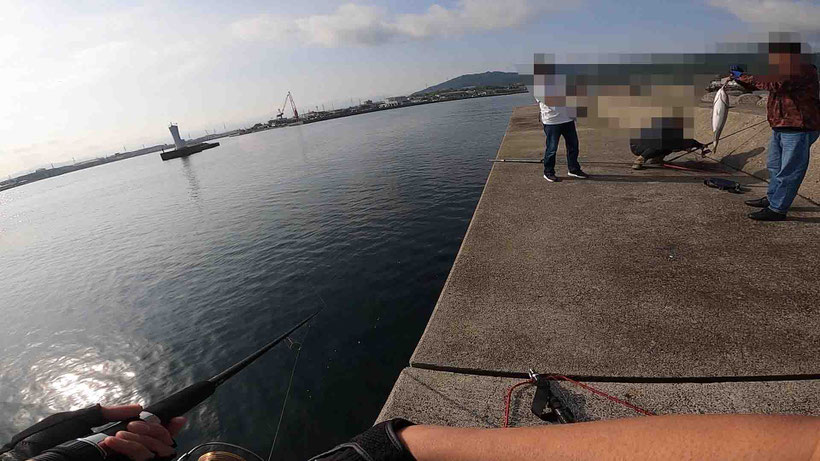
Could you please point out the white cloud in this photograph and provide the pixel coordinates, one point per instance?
(794, 15)
(360, 24)
(350, 23)
(470, 16)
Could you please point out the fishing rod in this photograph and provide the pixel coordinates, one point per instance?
(703, 154)
(88, 448)
(541, 161)
(685, 152)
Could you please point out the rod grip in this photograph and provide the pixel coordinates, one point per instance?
(176, 404)
(73, 450)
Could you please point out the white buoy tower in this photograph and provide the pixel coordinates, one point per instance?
(178, 141)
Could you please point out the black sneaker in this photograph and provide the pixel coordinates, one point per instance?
(767, 214)
(578, 174)
(551, 177)
(758, 203)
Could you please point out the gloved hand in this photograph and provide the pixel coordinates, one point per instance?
(54, 430)
(379, 443)
(141, 441)
(736, 71)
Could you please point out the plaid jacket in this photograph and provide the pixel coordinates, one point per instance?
(794, 102)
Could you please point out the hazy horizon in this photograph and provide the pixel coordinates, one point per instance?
(87, 79)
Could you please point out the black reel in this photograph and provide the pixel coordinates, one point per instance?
(546, 404)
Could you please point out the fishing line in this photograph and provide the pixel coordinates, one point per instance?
(738, 131)
(744, 129)
(679, 156)
(721, 139)
(293, 372)
(287, 393)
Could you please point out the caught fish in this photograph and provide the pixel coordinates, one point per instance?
(720, 110)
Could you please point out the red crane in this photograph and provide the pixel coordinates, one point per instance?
(285, 105)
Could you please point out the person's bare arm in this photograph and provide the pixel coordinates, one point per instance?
(748, 437)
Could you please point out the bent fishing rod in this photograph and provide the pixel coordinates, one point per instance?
(88, 448)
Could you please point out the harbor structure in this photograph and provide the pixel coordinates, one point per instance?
(183, 149)
(178, 141)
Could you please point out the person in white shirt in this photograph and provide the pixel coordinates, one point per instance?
(558, 122)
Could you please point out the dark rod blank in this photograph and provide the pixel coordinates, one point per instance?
(225, 375)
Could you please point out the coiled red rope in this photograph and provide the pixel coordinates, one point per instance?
(508, 398)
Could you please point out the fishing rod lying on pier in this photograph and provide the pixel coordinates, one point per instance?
(88, 448)
(684, 152)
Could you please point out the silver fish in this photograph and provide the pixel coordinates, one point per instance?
(720, 110)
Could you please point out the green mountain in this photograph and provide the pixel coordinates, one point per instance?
(494, 78)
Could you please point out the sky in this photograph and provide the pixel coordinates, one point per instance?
(87, 78)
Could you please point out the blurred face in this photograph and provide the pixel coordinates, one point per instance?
(785, 63)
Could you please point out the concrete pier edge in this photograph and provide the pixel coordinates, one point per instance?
(510, 300)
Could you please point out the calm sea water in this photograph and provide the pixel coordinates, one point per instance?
(128, 281)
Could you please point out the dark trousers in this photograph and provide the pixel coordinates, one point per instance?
(554, 133)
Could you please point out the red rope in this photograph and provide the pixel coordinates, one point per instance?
(508, 398)
(604, 394)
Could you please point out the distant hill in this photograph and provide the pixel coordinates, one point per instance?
(494, 78)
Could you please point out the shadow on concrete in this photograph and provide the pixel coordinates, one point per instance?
(699, 167)
(515, 409)
(647, 179)
(804, 219)
(577, 404)
(740, 159)
(456, 404)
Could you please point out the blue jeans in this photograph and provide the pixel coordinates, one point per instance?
(554, 133)
(787, 164)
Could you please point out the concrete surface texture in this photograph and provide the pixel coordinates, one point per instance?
(453, 399)
(627, 276)
(629, 273)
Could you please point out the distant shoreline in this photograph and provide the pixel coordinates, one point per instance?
(361, 109)
(45, 173)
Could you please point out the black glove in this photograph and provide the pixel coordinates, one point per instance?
(379, 443)
(54, 430)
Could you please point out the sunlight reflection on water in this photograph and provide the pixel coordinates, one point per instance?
(129, 281)
(64, 376)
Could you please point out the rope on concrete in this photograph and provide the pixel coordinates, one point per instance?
(508, 397)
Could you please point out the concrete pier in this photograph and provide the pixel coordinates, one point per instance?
(648, 284)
